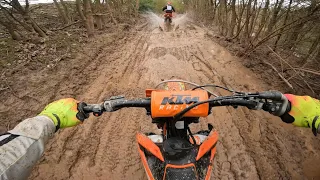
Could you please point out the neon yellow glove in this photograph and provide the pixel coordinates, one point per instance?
(65, 112)
(305, 112)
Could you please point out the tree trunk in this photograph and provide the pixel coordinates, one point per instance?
(26, 26)
(284, 23)
(66, 10)
(296, 32)
(89, 18)
(214, 10)
(25, 14)
(15, 35)
(233, 18)
(312, 48)
(263, 19)
(61, 12)
(82, 16)
(254, 14)
(294, 35)
(17, 6)
(222, 16)
(111, 14)
(98, 17)
(9, 15)
(247, 22)
(239, 22)
(274, 17)
(35, 26)
(79, 9)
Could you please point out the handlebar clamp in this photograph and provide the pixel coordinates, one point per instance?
(109, 104)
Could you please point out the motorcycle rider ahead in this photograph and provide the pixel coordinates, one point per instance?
(168, 9)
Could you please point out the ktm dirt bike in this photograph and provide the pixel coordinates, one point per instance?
(177, 153)
(168, 18)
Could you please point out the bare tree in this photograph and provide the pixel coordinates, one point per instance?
(263, 19)
(233, 18)
(10, 25)
(63, 12)
(275, 14)
(24, 12)
(283, 25)
(89, 17)
(85, 13)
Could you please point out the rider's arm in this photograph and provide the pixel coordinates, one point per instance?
(173, 9)
(22, 147)
(164, 8)
(304, 112)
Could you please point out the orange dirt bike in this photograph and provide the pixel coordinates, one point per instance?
(168, 18)
(177, 153)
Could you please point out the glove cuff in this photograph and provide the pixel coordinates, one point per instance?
(55, 118)
(315, 125)
(58, 122)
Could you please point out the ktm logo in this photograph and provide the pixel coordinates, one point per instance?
(179, 99)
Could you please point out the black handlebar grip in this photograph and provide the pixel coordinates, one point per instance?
(82, 115)
(277, 108)
(96, 109)
(273, 95)
(87, 109)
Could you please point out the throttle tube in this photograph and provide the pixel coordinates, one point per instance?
(234, 102)
(277, 96)
(273, 95)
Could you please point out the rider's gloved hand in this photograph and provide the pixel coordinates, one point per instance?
(65, 112)
(304, 112)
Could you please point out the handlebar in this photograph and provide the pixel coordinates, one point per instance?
(115, 103)
(271, 101)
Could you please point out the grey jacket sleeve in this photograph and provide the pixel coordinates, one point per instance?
(24, 147)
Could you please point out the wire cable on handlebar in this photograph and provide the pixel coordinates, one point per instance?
(179, 115)
(188, 82)
(217, 86)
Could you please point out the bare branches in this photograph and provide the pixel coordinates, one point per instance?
(275, 69)
(308, 71)
(297, 73)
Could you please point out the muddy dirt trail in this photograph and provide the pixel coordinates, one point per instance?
(252, 145)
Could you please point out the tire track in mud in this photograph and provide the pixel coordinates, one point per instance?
(105, 147)
(204, 73)
(118, 130)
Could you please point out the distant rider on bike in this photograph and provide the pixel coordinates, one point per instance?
(23, 146)
(168, 9)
